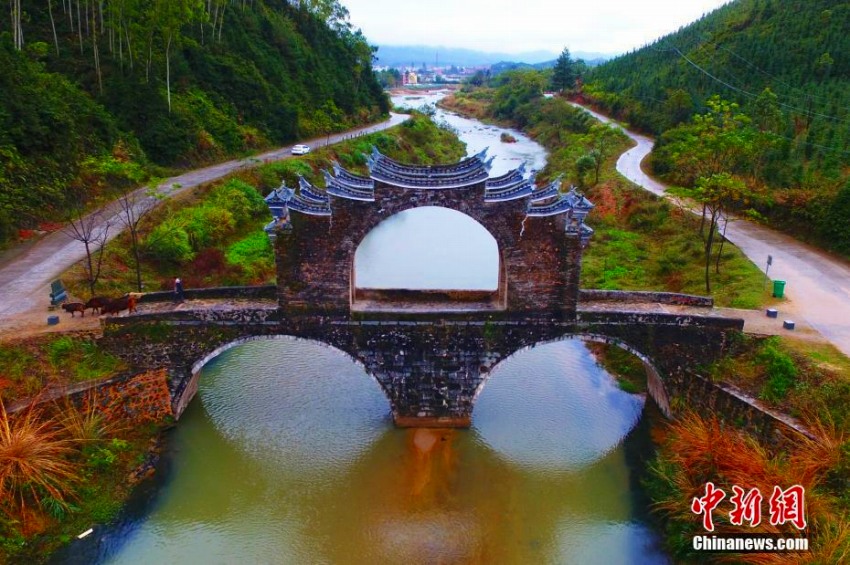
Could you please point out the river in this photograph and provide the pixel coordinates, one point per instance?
(288, 454)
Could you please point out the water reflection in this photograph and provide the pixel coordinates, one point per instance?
(588, 419)
(428, 248)
(290, 457)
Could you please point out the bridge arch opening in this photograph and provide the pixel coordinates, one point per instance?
(571, 412)
(428, 258)
(311, 349)
(655, 389)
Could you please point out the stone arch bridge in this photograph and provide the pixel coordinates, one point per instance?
(431, 362)
(431, 370)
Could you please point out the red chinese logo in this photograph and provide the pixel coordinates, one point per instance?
(705, 504)
(788, 506)
(746, 507)
(784, 506)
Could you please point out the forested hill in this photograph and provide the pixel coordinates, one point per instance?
(123, 84)
(800, 49)
(786, 66)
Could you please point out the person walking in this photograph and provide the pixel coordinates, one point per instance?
(178, 290)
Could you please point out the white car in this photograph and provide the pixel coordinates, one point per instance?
(300, 149)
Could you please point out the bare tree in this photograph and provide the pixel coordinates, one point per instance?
(135, 205)
(92, 231)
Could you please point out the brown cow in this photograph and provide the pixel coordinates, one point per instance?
(73, 307)
(115, 306)
(96, 303)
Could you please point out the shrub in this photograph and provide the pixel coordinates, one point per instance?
(169, 242)
(254, 254)
(780, 370)
(208, 225)
(238, 198)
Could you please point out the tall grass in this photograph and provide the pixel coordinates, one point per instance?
(34, 460)
(87, 423)
(700, 449)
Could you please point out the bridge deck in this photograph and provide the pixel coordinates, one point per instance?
(755, 321)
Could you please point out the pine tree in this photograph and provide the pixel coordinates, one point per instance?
(564, 77)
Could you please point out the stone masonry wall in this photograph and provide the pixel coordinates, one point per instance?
(625, 296)
(134, 397)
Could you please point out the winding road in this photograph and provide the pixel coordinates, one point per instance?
(26, 272)
(818, 284)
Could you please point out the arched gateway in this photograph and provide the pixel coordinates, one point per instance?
(429, 362)
(539, 232)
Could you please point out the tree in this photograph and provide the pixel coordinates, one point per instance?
(716, 193)
(169, 17)
(584, 165)
(721, 140)
(135, 205)
(17, 29)
(517, 88)
(678, 107)
(833, 227)
(602, 140)
(564, 74)
(769, 120)
(92, 231)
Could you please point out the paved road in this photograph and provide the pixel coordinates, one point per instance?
(818, 286)
(26, 273)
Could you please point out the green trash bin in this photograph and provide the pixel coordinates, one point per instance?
(778, 289)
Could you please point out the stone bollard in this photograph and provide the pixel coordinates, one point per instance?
(52, 320)
(788, 324)
(772, 313)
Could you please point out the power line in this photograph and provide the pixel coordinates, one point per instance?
(675, 49)
(750, 94)
(767, 74)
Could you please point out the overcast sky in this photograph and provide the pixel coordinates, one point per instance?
(605, 26)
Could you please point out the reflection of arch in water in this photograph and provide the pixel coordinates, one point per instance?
(192, 386)
(654, 383)
(429, 254)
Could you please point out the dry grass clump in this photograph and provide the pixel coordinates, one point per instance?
(701, 449)
(35, 460)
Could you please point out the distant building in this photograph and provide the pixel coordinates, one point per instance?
(410, 78)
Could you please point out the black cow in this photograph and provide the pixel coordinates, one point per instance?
(116, 305)
(96, 303)
(73, 307)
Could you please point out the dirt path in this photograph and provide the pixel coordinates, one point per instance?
(818, 284)
(26, 272)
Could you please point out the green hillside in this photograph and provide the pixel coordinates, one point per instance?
(125, 87)
(786, 64)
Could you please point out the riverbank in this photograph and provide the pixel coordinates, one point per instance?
(640, 242)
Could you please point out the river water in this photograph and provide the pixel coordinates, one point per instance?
(288, 455)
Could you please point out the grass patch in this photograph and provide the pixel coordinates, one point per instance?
(28, 366)
(699, 449)
(69, 471)
(797, 377)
